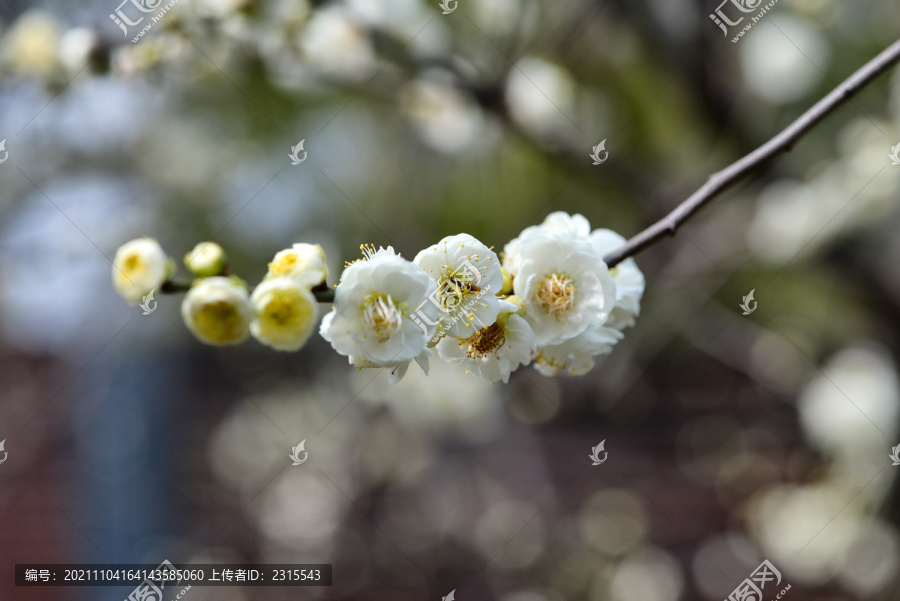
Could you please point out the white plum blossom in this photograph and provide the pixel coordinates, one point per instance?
(558, 222)
(628, 277)
(494, 351)
(566, 287)
(551, 301)
(575, 355)
(217, 310)
(138, 267)
(284, 314)
(206, 259)
(31, 44)
(468, 278)
(303, 263)
(371, 322)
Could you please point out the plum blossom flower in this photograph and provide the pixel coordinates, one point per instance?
(552, 300)
(206, 259)
(138, 267)
(217, 310)
(558, 222)
(494, 351)
(304, 263)
(371, 322)
(575, 355)
(566, 287)
(285, 314)
(468, 278)
(628, 277)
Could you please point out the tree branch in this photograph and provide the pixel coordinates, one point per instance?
(323, 293)
(783, 142)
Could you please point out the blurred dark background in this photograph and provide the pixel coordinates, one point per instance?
(731, 438)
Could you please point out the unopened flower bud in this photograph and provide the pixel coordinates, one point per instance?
(206, 259)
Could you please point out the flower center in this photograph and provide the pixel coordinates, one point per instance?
(132, 263)
(282, 310)
(284, 265)
(382, 316)
(219, 320)
(485, 341)
(455, 287)
(556, 294)
(453, 292)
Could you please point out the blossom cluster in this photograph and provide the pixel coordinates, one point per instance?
(551, 301)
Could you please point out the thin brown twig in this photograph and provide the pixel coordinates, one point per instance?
(323, 293)
(783, 142)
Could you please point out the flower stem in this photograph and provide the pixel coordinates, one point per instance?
(323, 294)
(173, 287)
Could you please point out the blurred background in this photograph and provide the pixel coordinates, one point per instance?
(731, 438)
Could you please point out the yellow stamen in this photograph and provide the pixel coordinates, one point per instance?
(382, 316)
(485, 341)
(556, 295)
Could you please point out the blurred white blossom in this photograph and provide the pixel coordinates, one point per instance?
(841, 196)
(31, 45)
(650, 574)
(206, 259)
(445, 118)
(138, 267)
(75, 48)
(304, 263)
(217, 310)
(336, 44)
(853, 406)
(285, 313)
(782, 61)
(540, 95)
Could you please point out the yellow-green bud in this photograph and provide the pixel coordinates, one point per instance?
(140, 266)
(507, 281)
(207, 259)
(519, 302)
(303, 263)
(217, 310)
